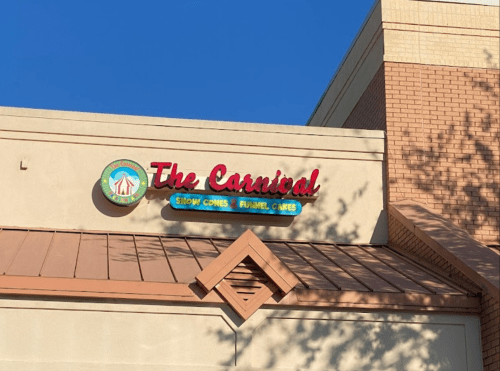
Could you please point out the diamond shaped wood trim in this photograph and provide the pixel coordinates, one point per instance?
(246, 288)
(247, 246)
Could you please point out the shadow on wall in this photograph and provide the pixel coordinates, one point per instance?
(168, 213)
(320, 221)
(459, 164)
(106, 207)
(489, 59)
(351, 342)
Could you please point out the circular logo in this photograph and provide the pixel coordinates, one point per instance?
(124, 182)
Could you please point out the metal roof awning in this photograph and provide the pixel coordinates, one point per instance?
(160, 267)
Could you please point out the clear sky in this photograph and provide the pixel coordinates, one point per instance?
(251, 61)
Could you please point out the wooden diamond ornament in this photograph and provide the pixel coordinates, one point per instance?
(246, 274)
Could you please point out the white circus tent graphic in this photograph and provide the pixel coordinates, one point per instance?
(123, 186)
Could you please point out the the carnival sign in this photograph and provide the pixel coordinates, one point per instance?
(231, 204)
(124, 182)
(280, 185)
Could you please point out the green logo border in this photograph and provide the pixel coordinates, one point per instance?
(120, 200)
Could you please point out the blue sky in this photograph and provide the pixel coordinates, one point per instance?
(251, 61)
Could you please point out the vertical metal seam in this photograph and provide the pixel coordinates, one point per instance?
(213, 244)
(427, 270)
(290, 269)
(17, 252)
(47, 254)
(77, 254)
(369, 269)
(344, 269)
(137, 256)
(168, 260)
(192, 252)
(107, 252)
(399, 271)
(316, 269)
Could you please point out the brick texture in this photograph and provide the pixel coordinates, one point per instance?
(401, 238)
(443, 136)
(369, 112)
(443, 150)
(490, 333)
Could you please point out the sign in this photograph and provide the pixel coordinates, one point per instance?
(280, 185)
(175, 180)
(124, 182)
(231, 204)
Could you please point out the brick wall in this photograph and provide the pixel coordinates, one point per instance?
(490, 333)
(443, 139)
(443, 136)
(401, 238)
(369, 112)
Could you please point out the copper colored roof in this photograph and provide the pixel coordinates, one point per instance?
(474, 259)
(495, 248)
(159, 267)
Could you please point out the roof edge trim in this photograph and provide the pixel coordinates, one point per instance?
(183, 293)
(344, 58)
(456, 245)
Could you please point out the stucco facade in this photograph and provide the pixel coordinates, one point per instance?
(54, 144)
(385, 268)
(84, 336)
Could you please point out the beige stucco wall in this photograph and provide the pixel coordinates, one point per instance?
(67, 152)
(452, 33)
(59, 335)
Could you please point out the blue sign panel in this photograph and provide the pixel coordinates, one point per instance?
(231, 204)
